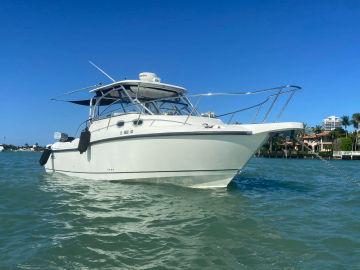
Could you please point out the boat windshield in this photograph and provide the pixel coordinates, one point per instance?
(175, 106)
(178, 105)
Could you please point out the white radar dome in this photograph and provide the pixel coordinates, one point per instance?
(149, 77)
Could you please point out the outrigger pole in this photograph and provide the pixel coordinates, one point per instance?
(103, 72)
(75, 91)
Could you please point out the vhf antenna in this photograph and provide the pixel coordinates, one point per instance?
(103, 72)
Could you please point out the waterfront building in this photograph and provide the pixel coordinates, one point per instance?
(320, 142)
(331, 123)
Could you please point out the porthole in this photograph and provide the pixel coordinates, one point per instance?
(120, 123)
(137, 122)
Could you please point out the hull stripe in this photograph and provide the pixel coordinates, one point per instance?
(55, 170)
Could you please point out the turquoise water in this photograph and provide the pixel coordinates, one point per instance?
(280, 214)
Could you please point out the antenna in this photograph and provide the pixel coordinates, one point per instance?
(78, 90)
(103, 72)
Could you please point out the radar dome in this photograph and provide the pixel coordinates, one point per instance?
(149, 77)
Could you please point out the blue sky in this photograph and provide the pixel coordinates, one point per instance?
(202, 45)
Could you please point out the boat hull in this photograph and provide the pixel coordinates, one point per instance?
(195, 179)
(194, 160)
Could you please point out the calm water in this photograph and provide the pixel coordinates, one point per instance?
(282, 214)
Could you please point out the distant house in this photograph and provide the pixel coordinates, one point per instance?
(331, 123)
(318, 142)
(1, 148)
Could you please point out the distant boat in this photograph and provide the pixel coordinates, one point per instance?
(1, 148)
(145, 130)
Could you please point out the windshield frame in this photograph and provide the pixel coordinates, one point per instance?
(179, 105)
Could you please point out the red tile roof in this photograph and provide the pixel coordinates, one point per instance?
(315, 136)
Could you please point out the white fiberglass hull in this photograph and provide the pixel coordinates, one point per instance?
(195, 155)
(194, 160)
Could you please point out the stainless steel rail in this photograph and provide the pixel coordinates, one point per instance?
(141, 106)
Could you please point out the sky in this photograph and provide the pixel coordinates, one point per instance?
(202, 45)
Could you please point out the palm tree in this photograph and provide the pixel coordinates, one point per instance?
(345, 122)
(301, 135)
(317, 129)
(355, 120)
(337, 133)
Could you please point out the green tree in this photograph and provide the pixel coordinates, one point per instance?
(317, 129)
(337, 133)
(355, 120)
(345, 144)
(345, 122)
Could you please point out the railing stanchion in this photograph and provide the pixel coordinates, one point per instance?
(256, 115)
(272, 105)
(232, 116)
(286, 103)
(192, 110)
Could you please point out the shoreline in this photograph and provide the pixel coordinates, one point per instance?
(300, 155)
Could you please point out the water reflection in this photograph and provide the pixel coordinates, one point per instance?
(124, 221)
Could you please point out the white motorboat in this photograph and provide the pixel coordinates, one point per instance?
(145, 130)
